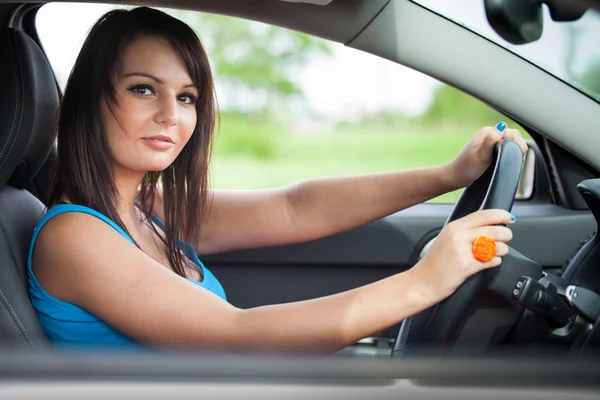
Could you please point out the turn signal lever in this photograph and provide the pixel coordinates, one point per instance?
(542, 299)
(585, 302)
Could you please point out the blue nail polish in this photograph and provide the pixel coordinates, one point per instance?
(501, 126)
(512, 218)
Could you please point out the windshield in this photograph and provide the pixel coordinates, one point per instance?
(568, 50)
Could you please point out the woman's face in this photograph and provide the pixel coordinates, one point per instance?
(155, 114)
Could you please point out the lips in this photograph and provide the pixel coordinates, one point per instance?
(161, 138)
(160, 142)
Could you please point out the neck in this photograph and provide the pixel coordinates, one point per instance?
(127, 183)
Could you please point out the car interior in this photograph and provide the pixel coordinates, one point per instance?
(544, 298)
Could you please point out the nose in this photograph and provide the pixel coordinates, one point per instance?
(167, 112)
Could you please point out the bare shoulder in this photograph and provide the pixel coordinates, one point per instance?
(80, 259)
(71, 246)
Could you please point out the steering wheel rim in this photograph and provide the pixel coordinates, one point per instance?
(436, 327)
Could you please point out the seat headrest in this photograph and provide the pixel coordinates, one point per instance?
(28, 108)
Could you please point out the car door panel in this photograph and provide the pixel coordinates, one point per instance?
(547, 234)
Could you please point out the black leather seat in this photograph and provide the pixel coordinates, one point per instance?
(28, 108)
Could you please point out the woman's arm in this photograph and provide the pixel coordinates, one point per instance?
(82, 260)
(323, 207)
(313, 208)
(316, 208)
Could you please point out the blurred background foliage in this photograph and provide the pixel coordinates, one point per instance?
(257, 146)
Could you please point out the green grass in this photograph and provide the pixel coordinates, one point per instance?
(293, 157)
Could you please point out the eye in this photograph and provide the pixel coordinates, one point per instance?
(187, 98)
(142, 90)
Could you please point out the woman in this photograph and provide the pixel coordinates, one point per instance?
(105, 269)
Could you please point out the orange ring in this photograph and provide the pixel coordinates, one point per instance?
(484, 248)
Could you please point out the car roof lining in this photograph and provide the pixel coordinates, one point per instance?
(488, 72)
(338, 21)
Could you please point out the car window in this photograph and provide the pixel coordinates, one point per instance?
(294, 107)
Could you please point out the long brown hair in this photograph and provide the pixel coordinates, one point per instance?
(84, 172)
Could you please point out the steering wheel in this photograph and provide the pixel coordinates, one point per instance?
(437, 326)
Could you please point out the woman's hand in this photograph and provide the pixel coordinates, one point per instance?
(450, 259)
(476, 156)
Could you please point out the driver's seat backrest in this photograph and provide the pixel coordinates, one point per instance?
(28, 110)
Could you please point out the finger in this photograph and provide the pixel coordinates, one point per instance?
(515, 135)
(480, 266)
(494, 262)
(485, 217)
(496, 233)
(491, 136)
(512, 134)
(501, 249)
(501, 126)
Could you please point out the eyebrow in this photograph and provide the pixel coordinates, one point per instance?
(154, 78)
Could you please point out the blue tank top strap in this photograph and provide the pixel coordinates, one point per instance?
(65, 207)
(159, 222)
(188, 249)
(155, 218)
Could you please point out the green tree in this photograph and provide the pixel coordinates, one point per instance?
(451, 105)
(255, 67)
(250, 58)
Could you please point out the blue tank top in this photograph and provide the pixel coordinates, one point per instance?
(66, 324)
